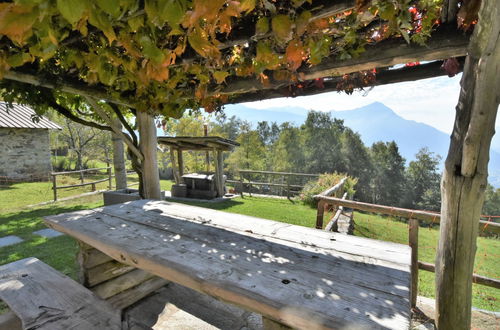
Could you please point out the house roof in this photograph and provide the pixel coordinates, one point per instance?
(21, 116)
(198, 142)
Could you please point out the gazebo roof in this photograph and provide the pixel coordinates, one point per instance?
(198, 142)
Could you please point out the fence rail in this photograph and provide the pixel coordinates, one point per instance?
(82, 179)
(414, 216)
(285, 184)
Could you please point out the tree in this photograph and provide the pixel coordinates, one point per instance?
(389, 181)
(250, 154)
(491, 201)
(357, 163)
(322, 142)
(287, 152)
(423, 180)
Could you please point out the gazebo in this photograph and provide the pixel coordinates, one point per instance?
(200, 185)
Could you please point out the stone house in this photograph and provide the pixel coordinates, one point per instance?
(24, 144)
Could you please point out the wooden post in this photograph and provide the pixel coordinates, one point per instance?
(219, 174)
(466, 170)
(241, 183)
(54, 186)
(413, 242)
(148, 147)
(174, 166)
(119, 159)
(93, 186)
(319, 214)
(110, 179)
(288, 187)
(180, 162)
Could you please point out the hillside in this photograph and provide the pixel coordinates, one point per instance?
(374, 122)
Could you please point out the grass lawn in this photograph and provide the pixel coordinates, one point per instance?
(60, 252)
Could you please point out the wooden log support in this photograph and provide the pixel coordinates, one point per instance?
(466, 170)
(119, 159)
(219, 173)
(174, 166)
(148, 148)
(413, 242)
(320, 213)
(180, 163)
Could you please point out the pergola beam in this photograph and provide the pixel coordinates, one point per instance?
(442, 45)
(384, 77)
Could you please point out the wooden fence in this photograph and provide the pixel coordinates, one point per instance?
(286, 181)
(82, 183)
(415, 217)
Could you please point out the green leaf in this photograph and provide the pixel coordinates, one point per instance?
(150, 50)
(262, 26)
(18, 59)
(101, 21)
(111, 7)
(72, 10)
(282, 28)
(136, 22)
(172, 11)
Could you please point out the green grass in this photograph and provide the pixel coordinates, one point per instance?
(268, 208)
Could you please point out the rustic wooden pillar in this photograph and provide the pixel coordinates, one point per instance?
(466, 169)
(219, 173)
(180, 161)
(148, 147)
(119, 159)
(413, 242)
(174, 166)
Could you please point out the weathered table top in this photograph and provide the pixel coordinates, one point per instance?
(303, 277)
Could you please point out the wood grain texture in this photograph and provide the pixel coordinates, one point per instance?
(466, 171)
(44, 299)
(298, 276)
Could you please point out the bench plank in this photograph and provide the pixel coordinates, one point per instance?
(291, 274)
(45, 299)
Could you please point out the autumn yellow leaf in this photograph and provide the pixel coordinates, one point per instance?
(220, 76)
(16, 21)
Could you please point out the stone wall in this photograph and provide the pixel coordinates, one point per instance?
(24, 153)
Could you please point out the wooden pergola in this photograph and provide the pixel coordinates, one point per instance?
(214, 144)
(465, 174)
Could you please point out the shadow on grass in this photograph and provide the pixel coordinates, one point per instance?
(23, 223)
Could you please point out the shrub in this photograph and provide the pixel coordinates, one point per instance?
(324, 182)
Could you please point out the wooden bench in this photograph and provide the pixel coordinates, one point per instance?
(45, 299)
(291, 275)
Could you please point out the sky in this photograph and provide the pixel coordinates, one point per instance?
(430, 101)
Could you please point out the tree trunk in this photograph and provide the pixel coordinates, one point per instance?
(119, 160)
(148, 147)
(466, 170)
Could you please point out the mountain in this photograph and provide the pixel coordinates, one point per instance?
(375, 122)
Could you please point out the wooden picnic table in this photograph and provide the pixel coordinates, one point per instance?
(301, 277)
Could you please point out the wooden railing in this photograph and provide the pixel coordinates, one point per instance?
(82, 183)
(285, 183)
(415, 217)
